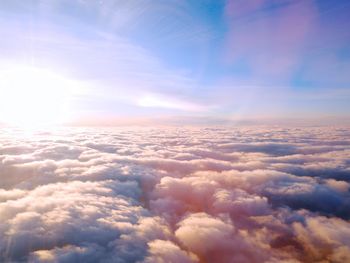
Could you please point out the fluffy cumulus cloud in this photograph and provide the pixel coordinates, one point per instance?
(175, 195)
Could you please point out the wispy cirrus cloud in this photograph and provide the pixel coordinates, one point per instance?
(228, 58)
(91, 45)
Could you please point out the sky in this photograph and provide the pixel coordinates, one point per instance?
(175, 179)
(138, 60)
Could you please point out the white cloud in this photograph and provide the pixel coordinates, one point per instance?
(174, 195)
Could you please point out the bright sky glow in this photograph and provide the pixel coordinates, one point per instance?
(167, 103)
(30, 97)
(208, 59)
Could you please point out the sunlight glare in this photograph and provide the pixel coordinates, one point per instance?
(32, 97)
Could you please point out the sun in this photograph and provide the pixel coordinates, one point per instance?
(32, 97)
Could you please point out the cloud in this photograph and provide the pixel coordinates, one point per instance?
(318, 237)
(166, 251)
(77, 219)
(174, 195)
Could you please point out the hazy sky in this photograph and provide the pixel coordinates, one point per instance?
(136, 59)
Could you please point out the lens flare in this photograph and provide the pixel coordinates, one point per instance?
(32, 97)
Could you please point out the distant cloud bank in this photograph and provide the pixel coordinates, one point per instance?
(175, 195)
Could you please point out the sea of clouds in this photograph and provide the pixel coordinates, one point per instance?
(175, 195)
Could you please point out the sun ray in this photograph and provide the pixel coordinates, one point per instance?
(31, 97)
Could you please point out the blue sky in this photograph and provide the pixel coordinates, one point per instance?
(217, 59)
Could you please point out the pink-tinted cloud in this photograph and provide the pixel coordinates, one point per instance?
(175, 195)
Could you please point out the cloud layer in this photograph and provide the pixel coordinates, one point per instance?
(175, 195)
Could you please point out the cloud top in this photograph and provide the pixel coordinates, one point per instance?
(175, 195)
